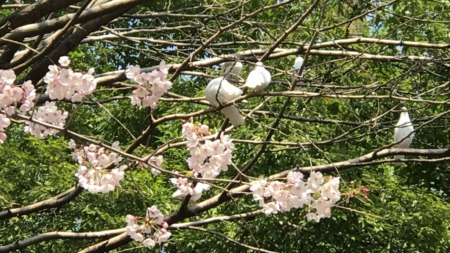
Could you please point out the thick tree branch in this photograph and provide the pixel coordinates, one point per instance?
(57, 23)
(32, 13)
(56, 201)
(107, 245)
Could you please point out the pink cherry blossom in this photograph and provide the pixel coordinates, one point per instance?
(150, 230)
(258, 189)
(4, 123)
(64, 61)
(92, 174)
(132, 71)
(198, 190)
(149, 243)
(151, 86)
(2, 137)
(312, 216)
(162, 235)
(208, 158)
(64, 83)
(49, 114)
(277, 196)
(184, 187)
(29, 96)
(315, 180)
(154, 161)
(7, 77)
(12, 96)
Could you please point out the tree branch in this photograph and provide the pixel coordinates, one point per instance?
(59, 235)
(56, 201)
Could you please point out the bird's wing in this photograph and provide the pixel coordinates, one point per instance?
(211, 91)
(401, 132)
(254, 79)
(266, 75)
(298, 63)
(225, 68)
(237, 68)
(228, 92)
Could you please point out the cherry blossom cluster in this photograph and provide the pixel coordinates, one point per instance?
(92, 161)
(296, 193)
(4, 123)
(185, 188)
(150, 230)
(49, 114)
(11, 96)
(207, 159)
(151, 86)
(156, 161)
(64, 83)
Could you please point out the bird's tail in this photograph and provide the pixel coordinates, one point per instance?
(294, 75)
(232, 113)
(399, 164)
(396, 157)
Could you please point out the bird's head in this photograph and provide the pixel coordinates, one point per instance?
(299, 60)
(238, 65)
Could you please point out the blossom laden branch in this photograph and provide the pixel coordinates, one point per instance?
(208, 159)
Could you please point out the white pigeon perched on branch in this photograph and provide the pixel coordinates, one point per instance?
(231, 70)
(295, 70)
(220, 91)
(298, 63)
(259, 78)
(403, 128)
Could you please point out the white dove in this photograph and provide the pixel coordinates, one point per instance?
(295, 68)
(298, 63)
(259, 78)
(220, 91)
(231, 70)
(402, 129)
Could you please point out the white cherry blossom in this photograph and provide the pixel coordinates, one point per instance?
(151, 86)
(49, 114)
(64, 83)
(92, 174)
(150, 230)
(277, 196)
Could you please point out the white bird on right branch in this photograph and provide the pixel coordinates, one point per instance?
(403, 132)
(259, 78)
